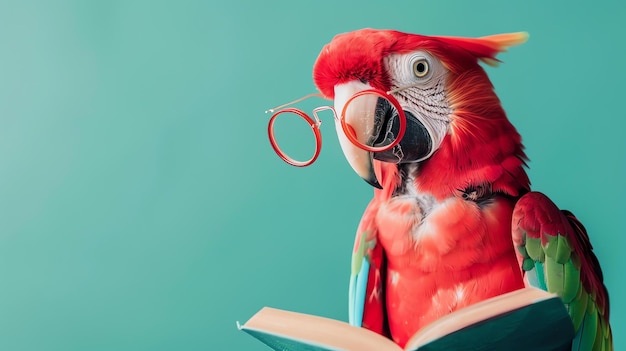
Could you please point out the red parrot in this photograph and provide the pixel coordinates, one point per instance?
(453, 220)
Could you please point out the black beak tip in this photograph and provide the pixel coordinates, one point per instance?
(373, 182)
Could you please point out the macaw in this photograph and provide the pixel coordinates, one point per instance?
(453, 220)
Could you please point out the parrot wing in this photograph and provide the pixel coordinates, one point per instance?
(556, 255)
(367, 279)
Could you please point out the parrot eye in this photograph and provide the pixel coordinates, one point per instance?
(420, 68)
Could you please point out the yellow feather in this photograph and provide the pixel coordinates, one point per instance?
(503, 41)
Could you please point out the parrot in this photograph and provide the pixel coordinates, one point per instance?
(453, 220)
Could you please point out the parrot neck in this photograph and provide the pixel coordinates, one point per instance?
(493, 165)
(481, 150)
(461, 171)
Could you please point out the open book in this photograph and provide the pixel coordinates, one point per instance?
(526, 319)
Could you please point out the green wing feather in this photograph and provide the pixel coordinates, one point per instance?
(555, 254)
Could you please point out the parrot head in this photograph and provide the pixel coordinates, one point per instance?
(456, 129)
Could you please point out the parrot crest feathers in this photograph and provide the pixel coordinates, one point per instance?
(358, 55)
(486, 48)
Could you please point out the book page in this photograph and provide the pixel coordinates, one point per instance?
(319, 331)
(476, 313)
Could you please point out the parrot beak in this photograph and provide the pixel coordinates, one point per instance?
(361, 116)
(375, 122)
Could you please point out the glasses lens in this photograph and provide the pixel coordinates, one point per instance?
(295, 137)
(377, 122)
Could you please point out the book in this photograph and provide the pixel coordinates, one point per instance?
(525, 319)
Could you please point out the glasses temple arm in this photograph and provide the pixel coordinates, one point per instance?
(272, 110)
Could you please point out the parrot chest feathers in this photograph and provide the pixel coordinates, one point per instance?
(419, 231)
(443, 255)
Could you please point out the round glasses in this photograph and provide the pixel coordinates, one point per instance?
(380, 144)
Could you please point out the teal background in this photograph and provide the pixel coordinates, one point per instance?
(142, 208)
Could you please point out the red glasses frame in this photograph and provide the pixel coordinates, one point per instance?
(315, 124)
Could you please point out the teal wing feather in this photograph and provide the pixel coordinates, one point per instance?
(555, 254)
(358, 282)
(366, 292)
